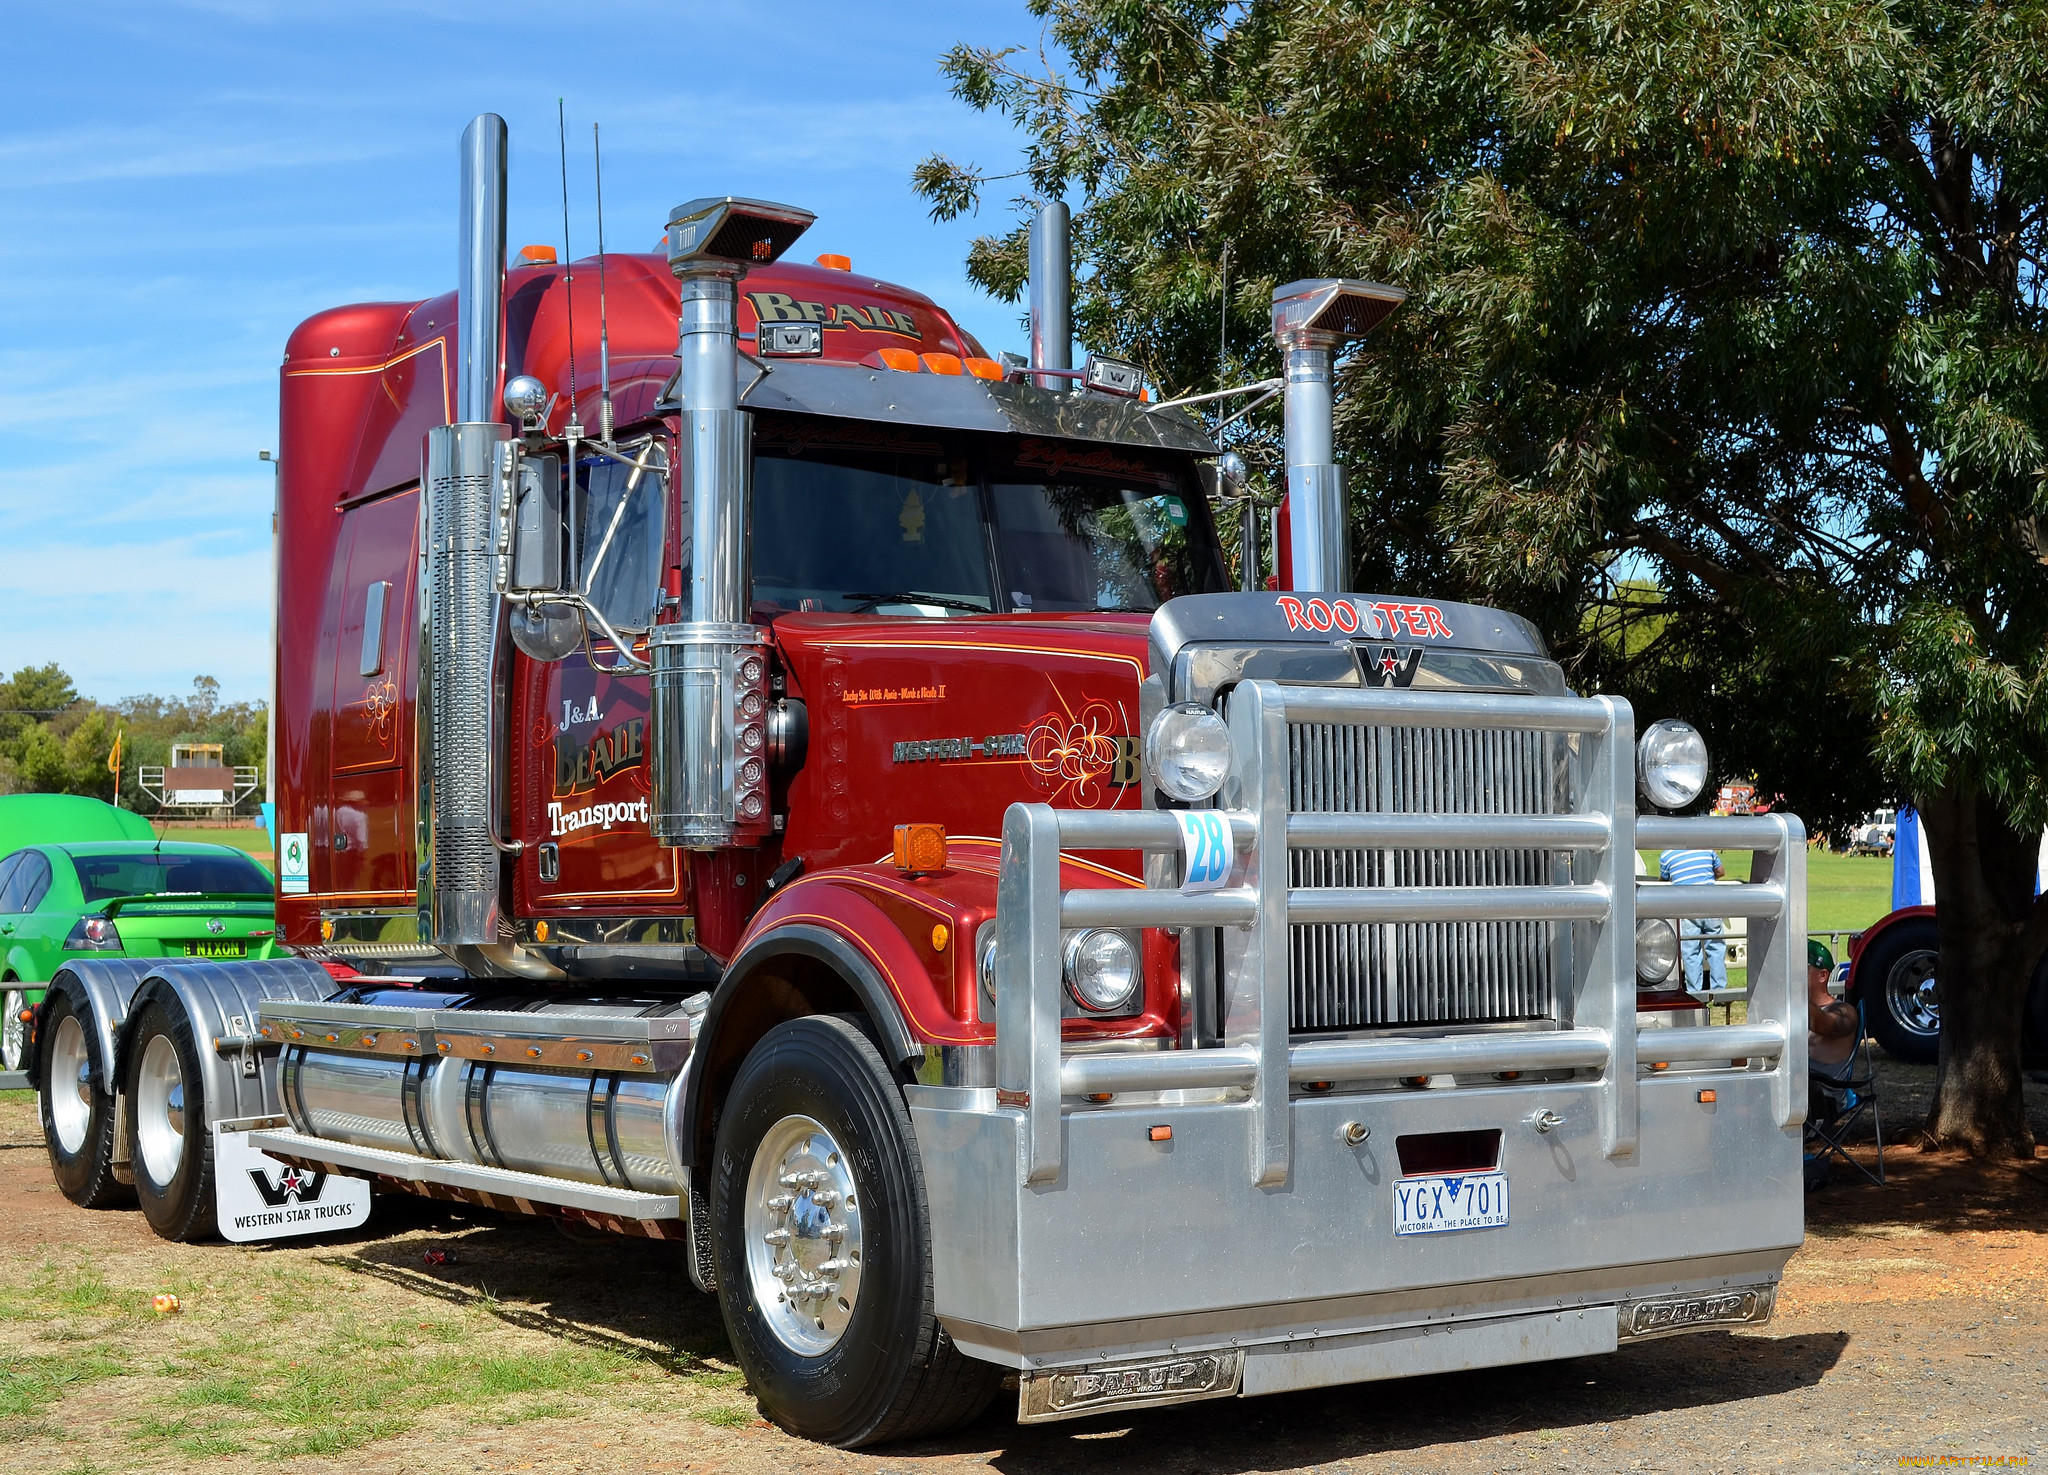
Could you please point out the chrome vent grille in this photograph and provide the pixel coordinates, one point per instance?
(1360, 975)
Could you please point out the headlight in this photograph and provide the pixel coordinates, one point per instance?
(985, 964)
(1656, 952)
(1187, 751)
(1102, 970)
(94, 935)
(1671, 764)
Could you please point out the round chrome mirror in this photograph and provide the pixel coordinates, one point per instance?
(1232, 472)
(526, 398)
(547, 632)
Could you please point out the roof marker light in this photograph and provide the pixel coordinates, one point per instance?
(832, 261)
(983, 368)
(900, 359)
(943, 363)
(537, 255)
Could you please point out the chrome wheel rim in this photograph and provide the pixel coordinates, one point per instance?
(160, 1111)
(803, 1236)
(69, 1085)
(1912, 996)
(13, 1033)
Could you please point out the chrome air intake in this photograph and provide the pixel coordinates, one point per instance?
(458, 861)
(1309, 320)
(709, 752)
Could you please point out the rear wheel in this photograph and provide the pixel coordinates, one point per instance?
(77, 1107)
(1901, 998)
(170, 1148)
(823, 1246)
(13, 1030)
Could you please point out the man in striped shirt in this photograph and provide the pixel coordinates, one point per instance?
(1700, 939)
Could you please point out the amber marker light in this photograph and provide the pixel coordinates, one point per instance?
(901, 359)
(327, 929)
(941, 935)
(1160, 1134)
(536, 255)
(983, 368)
(920, 849)
(1708, 1098)
(832, 261)
(540, 930)
(944, 363)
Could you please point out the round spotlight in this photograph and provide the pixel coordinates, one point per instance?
(1188, 751)
(526, 397)
(1102, 970)
(1671, 764)
(1656, 953)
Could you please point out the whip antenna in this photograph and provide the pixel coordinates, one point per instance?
(573, 429)
(604, 342)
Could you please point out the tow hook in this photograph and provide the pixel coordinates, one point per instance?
(1546, 1120)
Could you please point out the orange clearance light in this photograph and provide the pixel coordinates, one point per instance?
(1660, 1065)
(327, 929)
(1160, 1134)
(540, 930)
(831, 261)
(983, 368)
(537, 255)
(920, 849)
(941, 934)
(944, 363)
(1708, 1098)
(900, 359)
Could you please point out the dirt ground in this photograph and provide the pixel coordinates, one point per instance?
(1912, 1323)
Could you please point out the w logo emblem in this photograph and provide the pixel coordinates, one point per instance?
(292, 1186)
(1389, 665)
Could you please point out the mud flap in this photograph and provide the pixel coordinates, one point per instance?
(258, 1197)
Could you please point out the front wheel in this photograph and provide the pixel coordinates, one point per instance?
(1901, 998)
(168, 1144)
(822, 1244)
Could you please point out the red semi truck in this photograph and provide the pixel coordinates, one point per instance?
(771, 777)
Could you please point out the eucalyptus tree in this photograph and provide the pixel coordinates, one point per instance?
(1741, 300)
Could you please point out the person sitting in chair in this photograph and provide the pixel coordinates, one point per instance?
(1831, 1023)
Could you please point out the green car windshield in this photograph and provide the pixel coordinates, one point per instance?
(103, 877)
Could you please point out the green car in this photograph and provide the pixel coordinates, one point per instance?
(128, 898)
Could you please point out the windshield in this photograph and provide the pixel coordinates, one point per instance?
(103, 877)
(905, 522)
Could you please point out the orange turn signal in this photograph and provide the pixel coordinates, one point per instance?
(983, 368)
(920, 849)
(327, 929)
(537, 255)
(900, 359)
(1160, 1134)
(831, 261)
(943, 363)
(1708, 1098)
(941, 935)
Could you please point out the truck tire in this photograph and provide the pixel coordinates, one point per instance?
(76, 1102)
(169, 1146)
(1896, 986)
(822, 1245)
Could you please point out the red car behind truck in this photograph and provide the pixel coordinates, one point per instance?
(776, 779)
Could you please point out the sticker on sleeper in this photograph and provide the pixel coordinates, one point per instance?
(1206, 846)
(294, 864)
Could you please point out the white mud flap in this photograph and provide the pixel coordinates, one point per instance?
(259, 1197)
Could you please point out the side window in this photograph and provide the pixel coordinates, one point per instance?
(9, 869)
(619, 532)
(32, 880)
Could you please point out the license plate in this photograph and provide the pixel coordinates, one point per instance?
(236, 949)
(1436, 1203)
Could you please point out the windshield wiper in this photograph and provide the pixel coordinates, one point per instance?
(869, 601)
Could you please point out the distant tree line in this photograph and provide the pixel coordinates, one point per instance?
(54, 741)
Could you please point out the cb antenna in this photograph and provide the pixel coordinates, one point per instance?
(572, 430)
(604, 348)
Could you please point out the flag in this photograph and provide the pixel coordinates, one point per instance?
(114, 758)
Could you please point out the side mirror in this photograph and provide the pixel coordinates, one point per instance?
(539, 529)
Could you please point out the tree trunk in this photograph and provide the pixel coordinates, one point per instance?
(1990, 926)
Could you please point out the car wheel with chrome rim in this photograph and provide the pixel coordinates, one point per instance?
(822, 1245)
(77, 1106)
(168, 1144)
(13, 1029)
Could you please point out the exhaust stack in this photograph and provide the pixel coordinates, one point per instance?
(457, 853)
(1051, 267)
(1310, 319)
(709, 749)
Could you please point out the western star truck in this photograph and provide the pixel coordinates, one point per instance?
(755, 771)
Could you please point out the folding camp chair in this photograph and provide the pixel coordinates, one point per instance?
(1835, 1104)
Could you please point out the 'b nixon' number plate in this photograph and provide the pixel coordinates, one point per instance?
(1435, 1203)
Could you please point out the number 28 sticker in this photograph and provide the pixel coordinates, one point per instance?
(1205, 844)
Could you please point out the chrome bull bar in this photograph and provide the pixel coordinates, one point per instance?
(1595, 1029)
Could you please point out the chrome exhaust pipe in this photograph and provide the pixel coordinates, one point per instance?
(1051, 267)
(1310, 319)
(709, 758)
(457, 853)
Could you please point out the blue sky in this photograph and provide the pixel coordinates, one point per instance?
(184, 182)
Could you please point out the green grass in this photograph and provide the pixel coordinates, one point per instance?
(254, 839)
(1843, 892)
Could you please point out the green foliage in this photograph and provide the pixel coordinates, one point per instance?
(53, 741)
(1737, 303)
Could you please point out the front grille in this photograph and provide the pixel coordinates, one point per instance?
(1358, 975)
